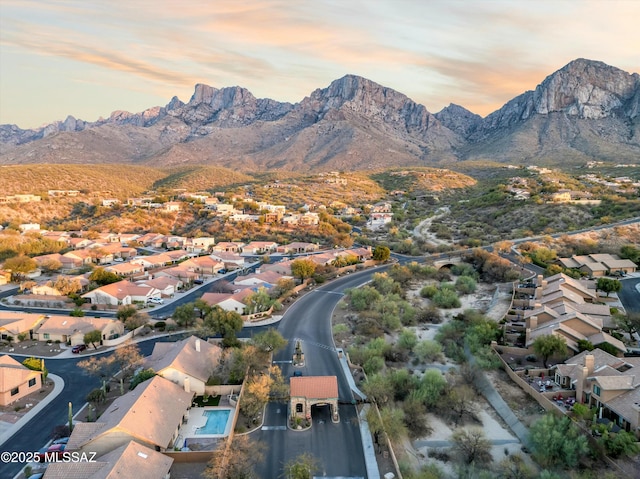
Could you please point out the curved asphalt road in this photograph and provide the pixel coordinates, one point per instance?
(337, 447)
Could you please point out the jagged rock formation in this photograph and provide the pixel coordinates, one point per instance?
(586, 110)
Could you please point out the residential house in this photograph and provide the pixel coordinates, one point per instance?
(203, 265)
(609, 383)
(125, 269)
(260, 247)
(16, 380)
(363, 253)
(172, 206)
(378, 220)
(121, 293)
(179, 272)
(13, 323)
(153, 261)
(265, 279)
(598, 264)
(129, 460)
(188, 363)
(151, 415)
(568, 308)
(71, 330)
(297, 247)
(229, 301)
(80, 257)
(167, 285)
(230, 260)
(200, 245)
(281, 267)
(228, 247)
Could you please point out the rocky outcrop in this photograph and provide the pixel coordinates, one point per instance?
(459, 119)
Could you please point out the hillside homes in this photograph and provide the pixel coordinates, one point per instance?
(598, 264)
(609, 383)
(562, 306)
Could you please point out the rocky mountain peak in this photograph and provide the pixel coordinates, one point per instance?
(585, 88)
(459, 119)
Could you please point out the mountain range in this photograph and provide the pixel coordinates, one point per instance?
(585, 111)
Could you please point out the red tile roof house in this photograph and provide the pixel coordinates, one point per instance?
(260, 247)
(297, 247)
(230, 260)
(151, 415)
(204, 265)
(153, 261)
(130, 460)
(70, 329)
(229, 247)
(125, 269)
(167, 285)
(228, 301)
(121, 293)
(16, 380)
(191, 360)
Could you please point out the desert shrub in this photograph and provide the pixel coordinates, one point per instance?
(446, 299)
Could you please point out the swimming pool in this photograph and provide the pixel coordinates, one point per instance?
(217, 420)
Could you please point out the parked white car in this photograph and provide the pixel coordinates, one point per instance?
(155, 300)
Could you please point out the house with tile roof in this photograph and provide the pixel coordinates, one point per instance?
(125, 269)
(189, 362)
(230, 260)
(121, 293)
(599, 264)
(229, 246)
(309, 391)
(260, 247)
(565, 307)
(167, 285)
(14, 323)
(228, 301)
(16, 380)
(203, 265)
(152, 415)
(71, 329)
(153, 261)
(606, 382)
(129, 460)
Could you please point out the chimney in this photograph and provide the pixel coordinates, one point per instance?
(533, 322)
(589, 363)
(197, 345)
(539, 280)
(187, 385)
(583, 373)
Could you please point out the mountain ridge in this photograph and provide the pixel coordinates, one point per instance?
(585, 111)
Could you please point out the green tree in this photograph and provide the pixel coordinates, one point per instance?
(185, 315)
(363, 298)
(93, 337)
(270, 340)
(608, 285)
(76, 312)
(301, 467)
(103, 277)
(548, 345)
(303, 268)
(471, 446)
(446, 299)
(125, 312)
(466, 285)
(381, 253)
(432, 387)
(428, 351)
(620, 444)
(141, 377)
(219, 321)
(557, 442)
(379, 387)
(407, 339)
(630, 322)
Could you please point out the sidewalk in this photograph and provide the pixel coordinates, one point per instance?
(367, 444)
(58, 386)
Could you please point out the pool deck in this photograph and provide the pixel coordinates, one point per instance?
(197, 419)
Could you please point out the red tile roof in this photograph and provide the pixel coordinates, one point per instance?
(314, 387)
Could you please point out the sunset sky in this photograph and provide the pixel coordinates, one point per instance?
(87, 58)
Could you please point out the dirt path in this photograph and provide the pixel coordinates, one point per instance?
(422, 230)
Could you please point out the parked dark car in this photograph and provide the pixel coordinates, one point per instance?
(54, 451)
(78, 348)
(297, 374)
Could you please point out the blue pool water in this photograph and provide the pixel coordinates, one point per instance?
(216, 421)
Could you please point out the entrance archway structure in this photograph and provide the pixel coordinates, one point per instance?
(307, 391)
